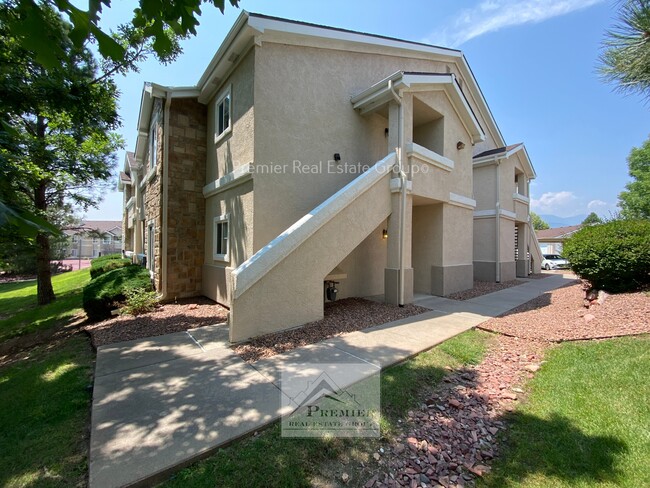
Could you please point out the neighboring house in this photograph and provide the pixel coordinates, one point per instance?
(308, 157)
(94, 238)
(551, 240)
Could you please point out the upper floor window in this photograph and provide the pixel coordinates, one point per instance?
(107, 239)
(223, 114)
(153, 142)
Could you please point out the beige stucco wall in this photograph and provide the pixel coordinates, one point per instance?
(309, 118)
(235, 148)
(291, 293)
(365, 267)
(236, 202)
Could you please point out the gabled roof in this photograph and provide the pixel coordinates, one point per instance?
(125, 176)
(381, 93)
(491, 156)
(557, 232)
(113, 227)
(502, 151)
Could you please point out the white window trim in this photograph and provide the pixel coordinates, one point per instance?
(153, 135)
(227, 92)
(218, 220)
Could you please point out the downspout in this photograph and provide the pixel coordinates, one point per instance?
(165, 192)
(403, 180)
(498, 224)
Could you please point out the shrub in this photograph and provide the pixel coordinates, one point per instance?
(103, 264)
(105, 292)
(614, 256)
(139, 301)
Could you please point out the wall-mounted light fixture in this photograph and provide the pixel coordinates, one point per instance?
(384, 234)
(460, 145)
(337, 157)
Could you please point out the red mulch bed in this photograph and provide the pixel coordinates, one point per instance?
(568, 319)
(185, 314)
(346, 315)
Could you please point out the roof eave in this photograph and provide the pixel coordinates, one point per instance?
(380, 93)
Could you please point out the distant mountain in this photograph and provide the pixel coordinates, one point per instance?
(555, 221)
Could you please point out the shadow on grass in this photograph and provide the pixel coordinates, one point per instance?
(44, 411)
(554, 448)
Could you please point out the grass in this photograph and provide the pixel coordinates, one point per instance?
(586, 422)
(273, 461)
(44, 399)
(20, 315)
(44, 412)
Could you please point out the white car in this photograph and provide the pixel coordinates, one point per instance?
(554, 261)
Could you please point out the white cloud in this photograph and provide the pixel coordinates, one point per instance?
(597, 204)
(493, 15)
(561, 203)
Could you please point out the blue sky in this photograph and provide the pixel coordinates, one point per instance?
(535, 61)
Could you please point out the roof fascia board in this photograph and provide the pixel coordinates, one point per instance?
(238, 41)
(478, 96)
(265, 24)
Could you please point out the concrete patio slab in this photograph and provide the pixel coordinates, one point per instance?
(138, 353)
(157, 417)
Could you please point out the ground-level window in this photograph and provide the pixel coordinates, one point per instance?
(220, 247)
(151, 236)
(222, 114)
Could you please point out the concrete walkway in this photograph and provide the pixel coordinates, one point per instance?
(163, 402)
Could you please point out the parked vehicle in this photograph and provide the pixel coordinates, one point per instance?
(554, 261)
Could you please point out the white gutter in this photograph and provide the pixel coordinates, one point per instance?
(402, 176)
(165, 193)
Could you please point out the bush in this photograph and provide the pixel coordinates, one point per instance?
(104, 264)
(139, 301)
(106, 292)
(614, 256)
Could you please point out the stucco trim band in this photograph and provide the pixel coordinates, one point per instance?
(237, 177)
(252, 270)
(427, 156)
(484, 214)
(462, 201)
(520, 198)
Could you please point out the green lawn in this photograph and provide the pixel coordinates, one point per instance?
(44, 394)
(270, 460)
(19, 314)
(44, 413)
(586, 422)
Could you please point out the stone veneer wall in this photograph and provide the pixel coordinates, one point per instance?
(186, 205)
(152, 196)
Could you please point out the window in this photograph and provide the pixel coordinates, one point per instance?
(153, 143)
(107, 240)
(75, 238)
(221, 235)
(73, 253)
(222, 114)
(151, 236)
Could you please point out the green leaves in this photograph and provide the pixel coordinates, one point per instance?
(614, 256)
(158, 19)
(635, 200)
(626, 57)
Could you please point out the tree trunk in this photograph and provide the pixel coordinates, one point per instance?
(44, 290)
